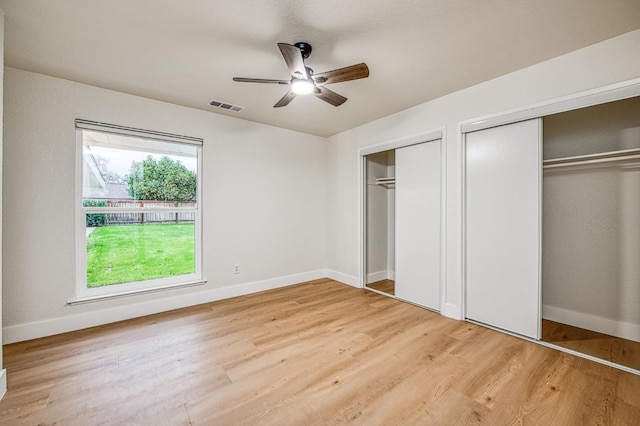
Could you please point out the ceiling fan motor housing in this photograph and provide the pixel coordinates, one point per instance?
(305, 48)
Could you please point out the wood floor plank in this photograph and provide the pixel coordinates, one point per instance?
(315, 353)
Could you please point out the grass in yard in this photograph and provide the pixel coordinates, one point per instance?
(126, 253)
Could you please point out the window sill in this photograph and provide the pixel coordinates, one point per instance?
(91, 299)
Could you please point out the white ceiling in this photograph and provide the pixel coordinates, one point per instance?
(186, 52)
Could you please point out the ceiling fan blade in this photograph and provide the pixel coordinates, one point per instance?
(328, 96)
(293, 57)
(353, 72)
(284, 101)
(260, 80)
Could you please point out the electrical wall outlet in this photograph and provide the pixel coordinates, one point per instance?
(236, 268)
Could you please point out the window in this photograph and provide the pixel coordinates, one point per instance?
(139, 213)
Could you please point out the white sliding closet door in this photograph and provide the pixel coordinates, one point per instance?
(418, 210)
(503, 175)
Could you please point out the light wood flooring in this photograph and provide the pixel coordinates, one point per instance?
(385, 286)
(318, 353)
(610, 348)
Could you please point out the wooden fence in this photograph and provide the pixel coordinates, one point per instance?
(150, 217)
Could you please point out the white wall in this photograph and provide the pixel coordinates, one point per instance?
(391, 217)
(605, 63)
(264, 200)
(377, 219)
(591, 246)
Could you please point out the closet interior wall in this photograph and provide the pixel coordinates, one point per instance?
(591, 218)
(380, 216)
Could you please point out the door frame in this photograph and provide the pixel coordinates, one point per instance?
(600, 95)
(427, 136)
(597, 96)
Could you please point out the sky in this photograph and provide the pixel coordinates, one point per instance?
(121, 150)
(119, 160)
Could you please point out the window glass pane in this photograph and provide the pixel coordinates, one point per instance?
(152, 242)
(119, 168)
(132, 252)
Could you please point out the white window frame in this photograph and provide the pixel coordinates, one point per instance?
(86, 294)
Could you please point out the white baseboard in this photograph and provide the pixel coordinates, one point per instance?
(343, 278)
(624, 330)
(3, 383)
(36, 329)
(391, 275)
(377, 276)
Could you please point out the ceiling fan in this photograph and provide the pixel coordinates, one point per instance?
(304, 81)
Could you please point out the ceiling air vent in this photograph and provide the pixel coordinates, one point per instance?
(225, 105)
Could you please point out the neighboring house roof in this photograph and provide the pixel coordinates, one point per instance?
(111, 191)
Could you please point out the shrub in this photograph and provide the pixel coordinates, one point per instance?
(95, 219)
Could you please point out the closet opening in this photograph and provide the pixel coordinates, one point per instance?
(551, 224)
(380, 221)
(402, 205)
(591, 231)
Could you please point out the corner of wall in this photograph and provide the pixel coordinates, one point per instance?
(343, 278)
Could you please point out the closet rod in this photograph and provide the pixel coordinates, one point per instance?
(386, 181)
(604, 157)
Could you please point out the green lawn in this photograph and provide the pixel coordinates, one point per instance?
(126, 253)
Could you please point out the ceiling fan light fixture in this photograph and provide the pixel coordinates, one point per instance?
(304, 81)
(302, 87)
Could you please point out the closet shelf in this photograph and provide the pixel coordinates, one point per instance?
(602, 157)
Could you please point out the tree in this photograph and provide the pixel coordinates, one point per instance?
(163, 179)
(108, 175)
